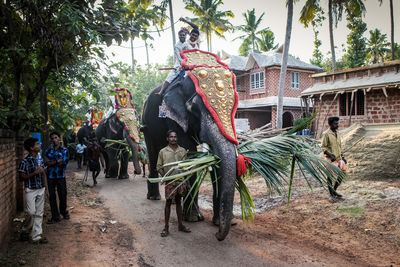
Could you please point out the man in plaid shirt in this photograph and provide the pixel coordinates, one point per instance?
(56, 159)
(31, 171)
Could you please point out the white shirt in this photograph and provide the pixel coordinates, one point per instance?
(80, 148)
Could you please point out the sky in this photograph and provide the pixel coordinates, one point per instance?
(301, 44)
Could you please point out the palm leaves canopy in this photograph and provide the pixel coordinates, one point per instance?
(250, 37)
(354, 8)
(377, 46)
(209, 18)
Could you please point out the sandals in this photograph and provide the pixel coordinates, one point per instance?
(184, 229)
(164, 232)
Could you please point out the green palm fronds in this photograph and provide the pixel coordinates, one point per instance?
(274, 158)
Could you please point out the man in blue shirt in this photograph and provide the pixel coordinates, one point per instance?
(56, 159)
(31, 171)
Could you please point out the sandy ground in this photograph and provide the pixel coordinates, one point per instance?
(114, 224)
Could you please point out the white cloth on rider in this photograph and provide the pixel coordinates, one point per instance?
(111, 110)
(178, 59)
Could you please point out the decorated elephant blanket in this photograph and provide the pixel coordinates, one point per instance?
(216, 85)
(126, 113)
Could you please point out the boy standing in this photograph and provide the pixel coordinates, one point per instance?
(56, 159)
(31, 171)
(173, 190)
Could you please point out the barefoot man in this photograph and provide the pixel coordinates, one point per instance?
(171, 153)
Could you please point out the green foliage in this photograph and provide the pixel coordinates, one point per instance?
(119, 75)
(50, 47)
(209, 18)
(255, 40)
(396, 53)
(377, 46)
(357, 47)
(354, 212)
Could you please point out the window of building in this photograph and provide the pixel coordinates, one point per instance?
(294, 80)
(257, 80)
(358, 104)
(239, 84)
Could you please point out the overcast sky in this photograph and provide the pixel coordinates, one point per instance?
(301, 43)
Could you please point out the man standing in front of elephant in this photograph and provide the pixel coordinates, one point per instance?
(56, 159)
(173, 190)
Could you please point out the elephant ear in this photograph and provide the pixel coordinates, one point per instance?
(174, 107)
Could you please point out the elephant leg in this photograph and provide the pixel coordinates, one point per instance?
(144, 169)
(112, 171)
(153, 189)
(123, 170)
(193, 213)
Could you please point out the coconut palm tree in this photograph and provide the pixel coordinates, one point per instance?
(377, 46)
(209, 18)
(251, 29)
(335, 12)
(284, 64)
(266, 40)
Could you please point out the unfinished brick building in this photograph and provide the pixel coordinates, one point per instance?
(257, 81)
(371, 93)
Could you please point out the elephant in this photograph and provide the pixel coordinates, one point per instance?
(112, 128)
(84, 134)
(189, 117)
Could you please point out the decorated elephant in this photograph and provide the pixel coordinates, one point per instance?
(121, 125)
(200, 109)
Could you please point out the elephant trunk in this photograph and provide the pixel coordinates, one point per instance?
(226, 190)
(226, 151)
(135, 152)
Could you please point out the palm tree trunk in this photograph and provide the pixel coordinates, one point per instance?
(147, 52)
(210, 44)
(331, 35)
(284, 64)
(391, 28)
(171, 16)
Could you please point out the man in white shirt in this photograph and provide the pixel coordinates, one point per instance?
(80, 149)
(182, 45)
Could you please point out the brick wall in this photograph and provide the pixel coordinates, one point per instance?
(376, 109)
(8, 184)
(271, 81)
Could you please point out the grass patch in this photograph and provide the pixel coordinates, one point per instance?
(354, 212)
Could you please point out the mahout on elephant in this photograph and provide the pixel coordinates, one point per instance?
(120, 125)
(186, 113)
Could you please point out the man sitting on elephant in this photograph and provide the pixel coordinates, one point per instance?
(173, 190)
(181, 46)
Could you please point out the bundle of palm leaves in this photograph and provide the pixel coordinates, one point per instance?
(274, 158)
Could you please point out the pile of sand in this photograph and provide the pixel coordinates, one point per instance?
(372, 151)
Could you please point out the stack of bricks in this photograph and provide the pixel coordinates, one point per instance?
(8, 184)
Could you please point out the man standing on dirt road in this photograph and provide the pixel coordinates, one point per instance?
(56, 159)
(332, 148)
(31, 171)
(173, 190)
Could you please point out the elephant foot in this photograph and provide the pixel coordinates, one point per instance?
(108, 176)
(123, 177)
(158, 197)
(136, 172)
(215, 221)
(194, 218)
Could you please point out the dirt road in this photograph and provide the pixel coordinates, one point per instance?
(114, 224)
